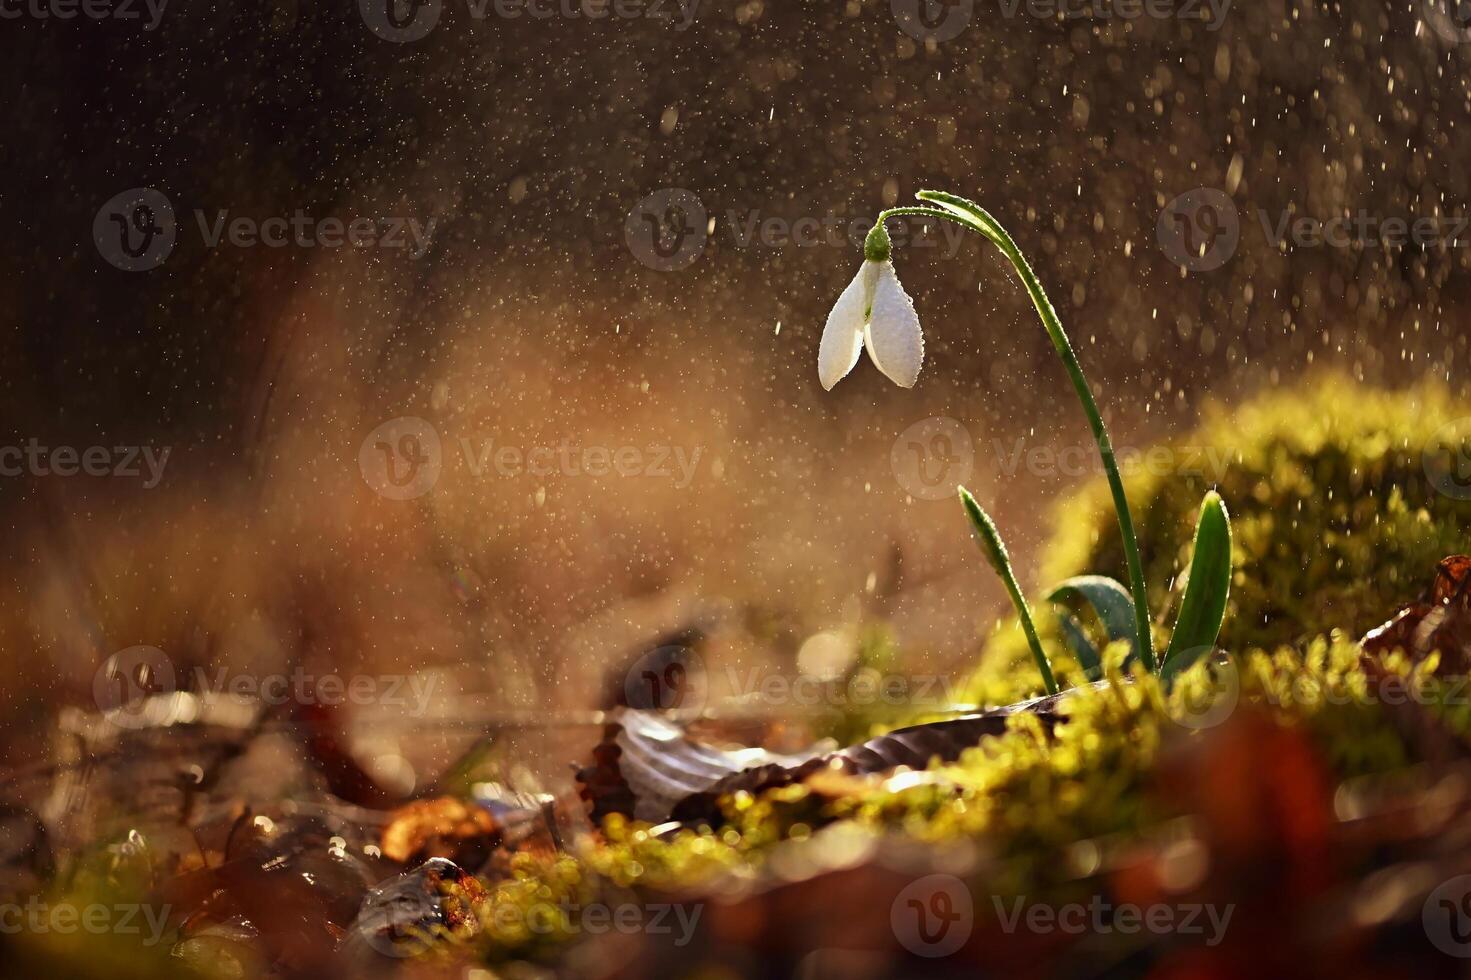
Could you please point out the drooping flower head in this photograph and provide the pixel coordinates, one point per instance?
(873, 312)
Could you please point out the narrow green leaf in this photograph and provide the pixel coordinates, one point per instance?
(974, 215)
(1088, 656)
(1109, 599)
(1204, 605)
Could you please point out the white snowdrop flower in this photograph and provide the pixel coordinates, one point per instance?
(873, 312)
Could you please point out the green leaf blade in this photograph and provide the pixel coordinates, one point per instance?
(1108, 599)
(1204, 607)
(974, 215)
(1083, 649)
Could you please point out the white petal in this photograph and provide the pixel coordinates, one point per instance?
(842, 338)
(894, 340)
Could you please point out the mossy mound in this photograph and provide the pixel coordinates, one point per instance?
(1342, 499)
(1027, 796)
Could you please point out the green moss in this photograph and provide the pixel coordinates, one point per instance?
(1025, 796)
(1029, 796)
(1334, 519)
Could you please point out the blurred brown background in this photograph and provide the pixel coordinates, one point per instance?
(529, 321)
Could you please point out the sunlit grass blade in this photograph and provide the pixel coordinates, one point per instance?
(995, 551)
(1204, 606)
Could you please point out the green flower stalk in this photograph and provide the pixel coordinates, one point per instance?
(875, 313)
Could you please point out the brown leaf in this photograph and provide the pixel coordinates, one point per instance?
(648, 768)
(1442, 623)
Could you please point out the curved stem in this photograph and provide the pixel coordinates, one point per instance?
(975, 218)
(1100, 435)
(923, 213)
